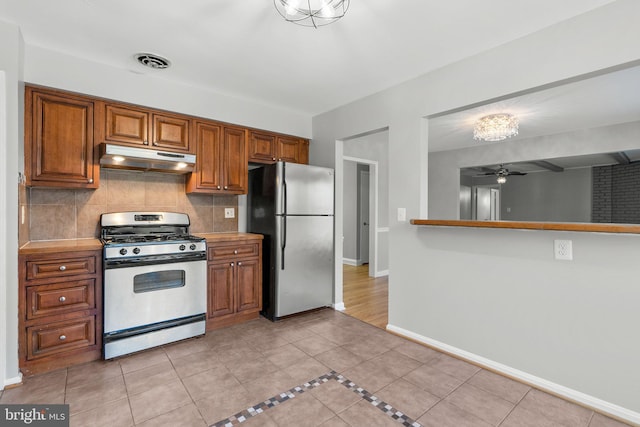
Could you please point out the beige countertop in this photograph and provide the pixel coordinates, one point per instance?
(50, 246)
(219, 237)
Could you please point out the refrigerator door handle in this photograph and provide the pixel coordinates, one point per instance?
(284, 196)
(283, 241)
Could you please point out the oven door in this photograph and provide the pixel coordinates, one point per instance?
(138, 295)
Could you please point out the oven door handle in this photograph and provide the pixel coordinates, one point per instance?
(153, 260)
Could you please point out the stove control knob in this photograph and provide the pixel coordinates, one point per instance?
(136, 251)
(123, 251)
(192, 247)
(182, 247)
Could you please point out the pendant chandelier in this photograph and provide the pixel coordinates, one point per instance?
(312, 13)
(495, 127)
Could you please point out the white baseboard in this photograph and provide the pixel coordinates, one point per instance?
(382, 273)
(13, 381)
(339, 306)
(592, 402)
(350, 261)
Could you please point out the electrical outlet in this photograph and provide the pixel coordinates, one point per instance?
(229, 213)
(563, 250)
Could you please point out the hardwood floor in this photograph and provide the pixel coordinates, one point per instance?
(365, 298)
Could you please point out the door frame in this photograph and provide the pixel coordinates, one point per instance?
(373, 213)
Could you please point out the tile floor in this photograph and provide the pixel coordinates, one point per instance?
(320, 369)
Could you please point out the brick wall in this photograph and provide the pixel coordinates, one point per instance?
(616, 194)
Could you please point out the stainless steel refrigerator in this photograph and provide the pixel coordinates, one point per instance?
(292, 206)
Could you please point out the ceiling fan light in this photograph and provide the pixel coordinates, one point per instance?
(502, 179)
(496, 127)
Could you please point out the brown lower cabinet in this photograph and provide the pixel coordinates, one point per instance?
(60, 310)
(234, 281)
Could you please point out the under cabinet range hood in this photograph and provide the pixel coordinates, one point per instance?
(120, 157)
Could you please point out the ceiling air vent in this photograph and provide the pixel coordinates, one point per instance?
(152, 61)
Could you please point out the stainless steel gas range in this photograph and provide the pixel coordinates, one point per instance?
(155, 288)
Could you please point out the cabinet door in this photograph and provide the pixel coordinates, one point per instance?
(59, 148)
(221, 295)
(207, 174)
(126, 125)
(249, 284)
(170, 133)
(304, 152)
(288, 149)
(262, 147)
(235, 166)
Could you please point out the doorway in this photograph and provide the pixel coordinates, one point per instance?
(362, 261)
(363, 215)
(485, 203)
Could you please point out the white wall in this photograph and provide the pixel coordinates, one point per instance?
(548, 196)
(350, 212)
(565, 322)
(59, 70)
(10, 137)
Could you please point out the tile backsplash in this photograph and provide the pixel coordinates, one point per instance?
(75, 214)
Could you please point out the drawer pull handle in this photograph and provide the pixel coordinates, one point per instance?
(63, 337)
(62, 299)
(63, 268)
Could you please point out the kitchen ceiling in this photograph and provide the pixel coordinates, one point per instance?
(244, 48)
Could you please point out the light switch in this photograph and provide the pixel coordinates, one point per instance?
(229, 213)
(402, 214)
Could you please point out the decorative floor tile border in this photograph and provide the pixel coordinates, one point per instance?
(255, 410)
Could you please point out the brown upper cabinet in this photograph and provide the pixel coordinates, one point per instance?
(59, 146)
(221, 160)
(129, 125)
(63, 131)
(267, 147)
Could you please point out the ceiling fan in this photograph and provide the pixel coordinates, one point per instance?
(502, 173)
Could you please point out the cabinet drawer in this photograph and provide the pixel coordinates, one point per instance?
(60, 267)
(57, 298)
(54, 338)
(242, 249)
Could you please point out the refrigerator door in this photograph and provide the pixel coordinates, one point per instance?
(303, 263)
(304, 190)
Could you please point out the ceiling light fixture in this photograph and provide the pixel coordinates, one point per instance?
(495, 127)
(501, 179)
(312, 13)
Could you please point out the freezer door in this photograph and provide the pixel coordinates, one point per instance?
(304, 264)
(305, 190)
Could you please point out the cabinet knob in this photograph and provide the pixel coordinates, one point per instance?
(62, 299)
(155, 144)
(273, 158)
(62, 337)
(90, 180)
(218, 187)
(235, 252)
(231, 264)
(62, 268)
(226, 188)
(239, 264)
(145, 142)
